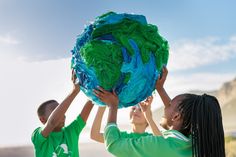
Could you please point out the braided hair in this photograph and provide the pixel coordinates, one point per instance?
(202, 120)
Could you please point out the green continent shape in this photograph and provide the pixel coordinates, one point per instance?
(106, 59)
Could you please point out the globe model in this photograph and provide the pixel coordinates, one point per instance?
(119, 52)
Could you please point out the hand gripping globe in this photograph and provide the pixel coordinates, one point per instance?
(121, 53)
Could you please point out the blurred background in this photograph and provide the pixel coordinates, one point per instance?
(35, 42)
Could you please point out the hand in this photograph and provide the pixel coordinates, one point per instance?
(161, 80)
(146, 104)
(109, 98)
(73, 78)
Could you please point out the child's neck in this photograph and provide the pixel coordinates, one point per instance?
(138, 128)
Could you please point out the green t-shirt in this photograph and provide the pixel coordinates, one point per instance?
(59, 144)
(171, 144)
(125, 134)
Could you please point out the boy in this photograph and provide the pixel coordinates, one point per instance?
(55, 140)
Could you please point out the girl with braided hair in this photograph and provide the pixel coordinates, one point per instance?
(196, 116)
(193, 126)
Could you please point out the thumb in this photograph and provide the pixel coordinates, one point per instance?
(113, 91)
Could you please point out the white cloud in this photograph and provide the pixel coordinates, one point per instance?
(187, 54)
(177, 84)
(24, 85)
(8, 39)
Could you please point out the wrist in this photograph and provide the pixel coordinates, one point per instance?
(159, 89)
(113, 106)
(148, 116)
(147, 113)
(75, 90)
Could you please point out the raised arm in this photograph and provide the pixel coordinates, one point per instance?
(95, 133)
(111, 100)
(60, 110)
(86, 110)
(146, 109)
(160, 87)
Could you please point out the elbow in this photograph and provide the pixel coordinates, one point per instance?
(97, 137)
(92, 136)
(111, 148)
(52, 122)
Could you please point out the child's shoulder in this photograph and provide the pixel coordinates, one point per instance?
(37, 130)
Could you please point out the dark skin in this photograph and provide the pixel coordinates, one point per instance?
(112, 101)
(160, 87)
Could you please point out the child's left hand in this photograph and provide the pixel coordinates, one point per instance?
(146, 104)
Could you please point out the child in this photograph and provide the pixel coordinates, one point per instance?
(54, 140)
(140, 118)
(193, 122)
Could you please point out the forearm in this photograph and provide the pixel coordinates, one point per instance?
(60, 111)
(164, 96)
(112, 114)
(154, 128)
(86, 110)
(152, 124)
(95, 133)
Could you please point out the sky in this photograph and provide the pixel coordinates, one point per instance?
(36, 38)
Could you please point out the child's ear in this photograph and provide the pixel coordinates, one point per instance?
(176, 117)
(43, 119)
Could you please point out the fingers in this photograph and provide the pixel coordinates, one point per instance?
(98, 93)
(164, 71)
(142, 103)
(162, 77)
(114, 93)
(150, 98)
(73, 75)
(102, 90)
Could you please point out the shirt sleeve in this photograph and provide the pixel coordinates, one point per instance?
(78, 124)
(124, 134)
(37, 138)
(144, 146)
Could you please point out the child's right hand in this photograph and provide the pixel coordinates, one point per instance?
(76, 85)
(109, 98)
(161, 80)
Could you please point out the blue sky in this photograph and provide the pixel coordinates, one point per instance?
(36, 38)
(47, 29)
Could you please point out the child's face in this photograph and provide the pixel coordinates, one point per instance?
(136, 115)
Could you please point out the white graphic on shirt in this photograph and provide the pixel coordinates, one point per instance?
(62, 151)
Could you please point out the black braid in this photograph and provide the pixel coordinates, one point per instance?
(203, 120)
